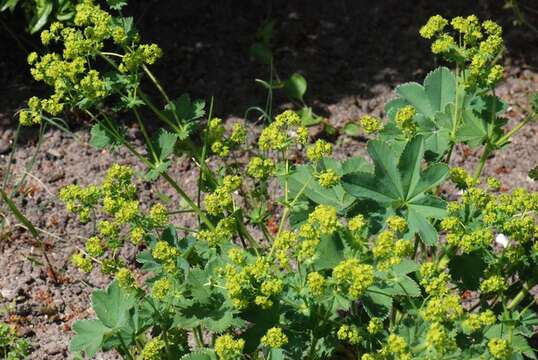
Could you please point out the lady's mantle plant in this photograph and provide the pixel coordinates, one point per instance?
(353, 260)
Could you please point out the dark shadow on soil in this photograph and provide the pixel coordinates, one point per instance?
(343, 48)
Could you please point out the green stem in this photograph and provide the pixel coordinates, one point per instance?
(244, 231)
(515, 130)
(198, 336)
(312, 351)
(483, 159)
(449, 154)
(167, 177)
(156, 83)
(521, 295)
(158, 112)
(189, 201)
(286, 210)
(192, 147)
(146, 135)
(127, 352)
(203, 156)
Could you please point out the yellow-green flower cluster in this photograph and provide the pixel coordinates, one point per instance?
(282, 133)
(228, 348)
(215, 133)
(494, 284)
(158, 215)
(221, 145)
(375, 325)
(110, 231)
(274, 338)
(318, 150)
(404, 120)
(260, 168)
(499, 348)
(166, 254)
(444, 308)
(371, 124)
(322, 221)
(471, 241)
(476, 197)
(397, 347)
(474, 322)
(434, 26)
(316, 283)
(521, 228)
(328, 178)
(161, 288)
(239, 134)
(222, 233)
(119, 192)
(80, 200)
(388, 250)
(503, 216)
(94, 247)
(443, 44)
(284, 243)
(140, 55)
(237, 255)
(352, 277)
(357, 223)
(439, 339)
(82, 262)
(269, 288)
(451, 224)
(253, 282)
(494, 184)
(153, 350)
(477, 45)
(221, 199)
(125, 279)
(397, 224)
(137, 235)
(75, 81)
(461, 178)
(349, 333)
(116, 197)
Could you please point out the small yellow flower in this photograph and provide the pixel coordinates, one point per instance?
(228, 348)
(371, 124)
(274, 338)
(125, 278)
(328, 178)
(82, 262)
(435, 25)
(499, 348)
(316, 284)
(404, 120)
(320, 149)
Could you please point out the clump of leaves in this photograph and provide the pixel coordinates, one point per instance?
(39, 14)
(12, 347)
(349, 260)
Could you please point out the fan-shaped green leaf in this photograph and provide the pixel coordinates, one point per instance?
(440, 86)
(377, 302)
(200, 354)
(112, 305)
(415, 94)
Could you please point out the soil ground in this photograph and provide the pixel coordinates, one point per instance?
(353, 54)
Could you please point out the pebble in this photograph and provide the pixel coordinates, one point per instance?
(5, 146)
(57, 175)
(53, 347)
